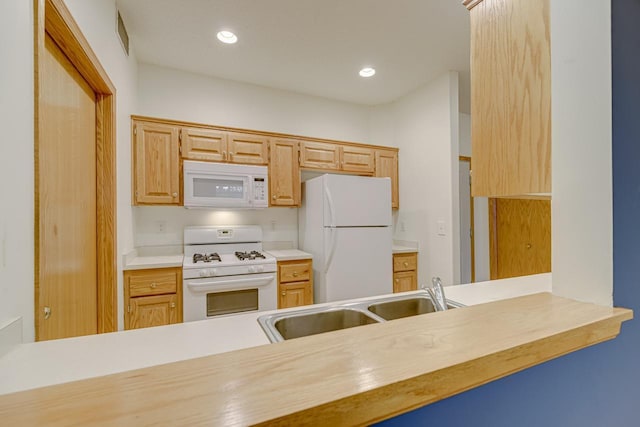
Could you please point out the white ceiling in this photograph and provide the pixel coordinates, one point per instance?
(314, 47)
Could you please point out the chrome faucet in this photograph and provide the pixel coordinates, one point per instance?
(436, 292)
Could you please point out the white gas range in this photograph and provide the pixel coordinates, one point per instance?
(225, 272)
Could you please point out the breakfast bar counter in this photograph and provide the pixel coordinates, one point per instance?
(353, 376)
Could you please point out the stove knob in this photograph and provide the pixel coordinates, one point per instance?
(203, 273)
(252, 269)
(212, 272)
(260, 268)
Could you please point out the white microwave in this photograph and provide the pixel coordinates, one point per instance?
(225, 186)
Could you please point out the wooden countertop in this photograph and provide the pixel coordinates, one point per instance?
(354, 376)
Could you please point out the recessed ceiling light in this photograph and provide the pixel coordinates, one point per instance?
(367, 72)
(227, 37)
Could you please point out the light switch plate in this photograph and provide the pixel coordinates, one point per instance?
(442, 230)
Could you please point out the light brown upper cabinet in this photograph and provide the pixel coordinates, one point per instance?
(284, 172)
(218, 146)
(357, 159)
(510, 97)
(160, 145)
(248, 149)
(387, 166)
(319, 155)
(156, 160)
(203, 144)
(336, 157)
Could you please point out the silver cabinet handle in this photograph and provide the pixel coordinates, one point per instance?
(47, 312)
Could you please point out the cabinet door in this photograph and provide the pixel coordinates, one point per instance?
(203, 144)
(357, 159)
(284, 173)
(510, 98)
(319, 155)
(405, 281)
(387, 167)
(295, 294)
(248, 149)
(156, 164)
(153, 311)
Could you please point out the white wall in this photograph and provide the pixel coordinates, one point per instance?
(16, 163)
(480, 209)
(582, 217)
(424, 125)
(278, 224)
(180, 95)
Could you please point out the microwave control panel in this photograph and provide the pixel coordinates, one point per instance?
(259, 190)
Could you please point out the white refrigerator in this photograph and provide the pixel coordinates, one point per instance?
(345, 223)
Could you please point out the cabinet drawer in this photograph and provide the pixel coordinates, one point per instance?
(405, 262)
(153, 282)
(295, 271)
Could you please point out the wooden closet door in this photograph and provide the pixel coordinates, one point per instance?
(66, 192)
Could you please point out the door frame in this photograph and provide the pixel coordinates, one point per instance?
(493, 238)
(472, 220)
(53, 17)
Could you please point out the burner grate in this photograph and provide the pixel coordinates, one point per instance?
(206, 257)
(243, 256)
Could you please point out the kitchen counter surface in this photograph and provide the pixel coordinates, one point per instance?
(157, 261)
(45, 363)
(289, 254)
(352, 376)
(399, 249)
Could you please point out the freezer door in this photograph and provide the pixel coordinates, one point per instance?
(356, 201)
(358, 263)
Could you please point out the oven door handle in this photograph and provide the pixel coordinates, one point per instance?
(239, 283)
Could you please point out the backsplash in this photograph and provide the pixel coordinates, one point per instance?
(164, 225)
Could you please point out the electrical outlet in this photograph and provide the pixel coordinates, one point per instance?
(161, 226)
(442, 230)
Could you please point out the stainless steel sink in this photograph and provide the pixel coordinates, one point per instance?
(286, 325)
(405, 307)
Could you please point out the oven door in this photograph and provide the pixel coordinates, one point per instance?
(220, 296)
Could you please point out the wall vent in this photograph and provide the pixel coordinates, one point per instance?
(122, 34)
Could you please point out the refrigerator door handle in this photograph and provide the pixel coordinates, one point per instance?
(332, 210)
(332, 250)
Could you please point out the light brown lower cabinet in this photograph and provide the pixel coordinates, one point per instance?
(153, 297)
(295, 283)
(405, 272)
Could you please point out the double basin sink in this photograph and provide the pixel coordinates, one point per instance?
(317, 320)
